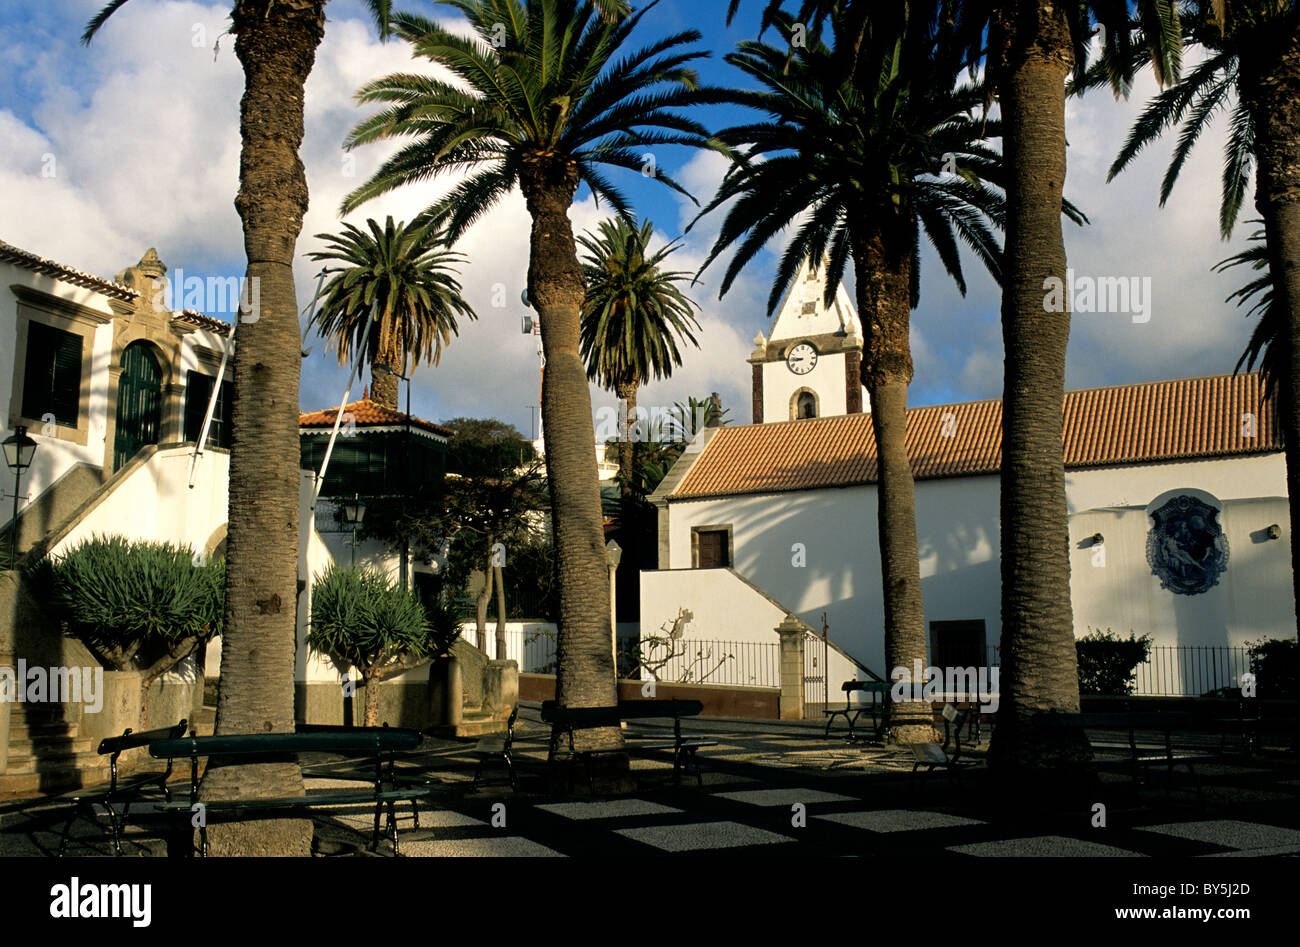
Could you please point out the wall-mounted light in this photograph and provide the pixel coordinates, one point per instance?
(1274, 531)
(1098, 539)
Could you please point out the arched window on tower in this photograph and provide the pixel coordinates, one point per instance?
(807, 406)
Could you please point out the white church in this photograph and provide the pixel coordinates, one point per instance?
(1176, 492)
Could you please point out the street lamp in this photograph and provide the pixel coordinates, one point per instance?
(19, 450)
(613, 555)
(354, 512)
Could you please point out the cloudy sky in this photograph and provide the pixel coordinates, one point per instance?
(134, 143)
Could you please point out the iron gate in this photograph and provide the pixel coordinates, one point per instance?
(816, 652)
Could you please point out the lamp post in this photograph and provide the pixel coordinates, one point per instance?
(19, 450)
(613, 555)
(354, 512)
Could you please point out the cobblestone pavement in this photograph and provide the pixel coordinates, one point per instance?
(771, 789)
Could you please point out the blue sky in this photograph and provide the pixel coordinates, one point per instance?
(143, 131)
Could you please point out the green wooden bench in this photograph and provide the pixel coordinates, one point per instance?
(879, 691)
(375, 746)
(571, 719)
(120, 790)
(934, 756)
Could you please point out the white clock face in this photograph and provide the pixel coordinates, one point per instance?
(802, 359)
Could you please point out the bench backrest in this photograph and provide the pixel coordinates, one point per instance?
(869, 686)
(129, 740)
(609, 716)
(370, 740)
(1118, 721)
(338, 728)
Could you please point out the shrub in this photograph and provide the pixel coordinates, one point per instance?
(1273, 662)
(361, 619)
(137, 606)
(1107, 662)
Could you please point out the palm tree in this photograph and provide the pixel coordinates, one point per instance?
(1028, 48)
(276, 46)
(546, 96)
(1253, 56)
(861, 164)
(632, 316)
(406, 276)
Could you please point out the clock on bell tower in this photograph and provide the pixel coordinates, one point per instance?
(810, 366)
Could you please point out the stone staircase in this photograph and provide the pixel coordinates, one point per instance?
(47, 752)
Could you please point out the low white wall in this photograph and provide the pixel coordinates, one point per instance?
(156, 503)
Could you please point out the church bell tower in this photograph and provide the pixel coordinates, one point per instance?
(810, 367)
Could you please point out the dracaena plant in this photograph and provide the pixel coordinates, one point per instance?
(362, 619)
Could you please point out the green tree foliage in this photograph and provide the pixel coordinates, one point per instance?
(137, 606)
(1275, 662)
(405, 275)
(1107, 662)
(361, 619)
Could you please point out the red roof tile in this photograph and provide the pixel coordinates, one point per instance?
(1167, 420)
(25, 258)
(368, 413)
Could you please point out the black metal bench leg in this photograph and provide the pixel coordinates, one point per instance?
(115, 830)
(67, 827)
(510, 769)
(392, 826)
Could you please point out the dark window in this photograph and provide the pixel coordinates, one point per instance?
(52, 376)
(807, 405)
(957, 644)
(373, 464)
(198, 391)
(713, 550)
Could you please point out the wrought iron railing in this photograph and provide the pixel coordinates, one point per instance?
(1169, 671)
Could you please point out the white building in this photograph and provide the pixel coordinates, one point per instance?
(1176, 492)
(110, 385)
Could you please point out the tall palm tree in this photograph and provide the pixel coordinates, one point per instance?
(632, 317)
(861, 164)
(275, 44)
(1028, 48)
(546, 96)
(403, 273)
(1253, 49)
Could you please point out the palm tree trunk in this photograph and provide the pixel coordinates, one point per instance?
(883, 267)
(385, 373)
(1039, 666)
(1271, 90)
(626, 444)
(585, 677)
(276, 45)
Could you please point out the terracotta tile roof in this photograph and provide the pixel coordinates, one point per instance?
(368, 413)
(203, 322)
(1130, 424)
(11, 254)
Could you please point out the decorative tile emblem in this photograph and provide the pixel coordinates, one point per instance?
(1186, 546)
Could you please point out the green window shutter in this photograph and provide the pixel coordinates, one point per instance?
(52, 374)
